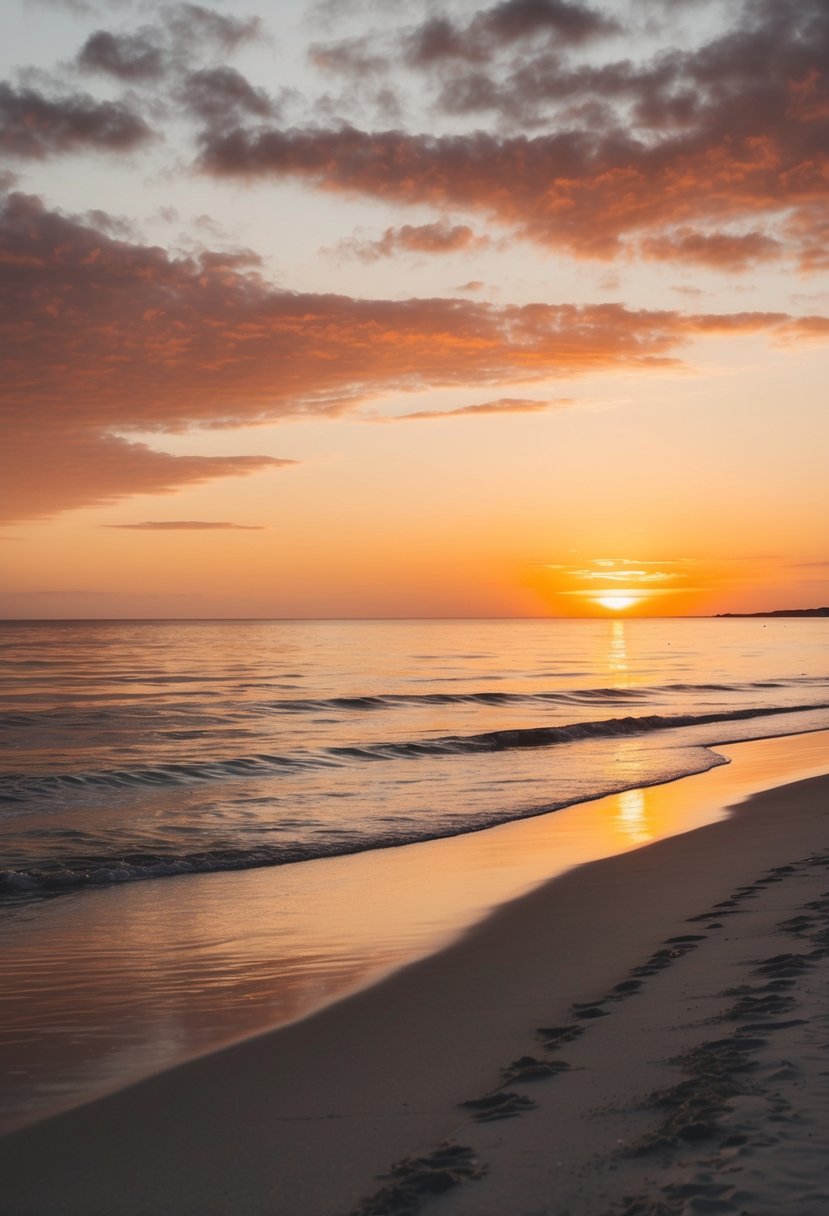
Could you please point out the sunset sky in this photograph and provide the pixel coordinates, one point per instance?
(414, 309)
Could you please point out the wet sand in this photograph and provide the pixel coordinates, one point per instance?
(646, 1033)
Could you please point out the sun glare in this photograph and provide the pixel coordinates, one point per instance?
(616, 603)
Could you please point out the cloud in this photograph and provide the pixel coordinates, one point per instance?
(185, 525)
(716, 250)
(626, 574)
(569, 22)
(193, 23)
(438, 238)
(35, 126)
(502, 405)
(127, 57)
(81, 466)
(635, 579)
(566, 23)
(103, 338)
(168, 57)
(714, 155)
(76, 7)
(223, 95)
(348, 57)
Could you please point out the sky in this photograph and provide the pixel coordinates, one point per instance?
(362, 308)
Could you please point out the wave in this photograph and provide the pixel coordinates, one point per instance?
(19, 787)
(611, 695)
(52, 878)
(412, 700)
(73, 714)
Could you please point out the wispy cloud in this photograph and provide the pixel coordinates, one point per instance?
(186, 525)
(437, 238)
(501, 405)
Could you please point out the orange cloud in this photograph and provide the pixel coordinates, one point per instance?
(436, 238)
(51, 463)
(102, 337)
(186, 525)
(718, 250)
(502, 405)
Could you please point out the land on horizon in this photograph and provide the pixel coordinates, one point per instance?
(779, 612)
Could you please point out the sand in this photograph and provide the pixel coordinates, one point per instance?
(646, 1034)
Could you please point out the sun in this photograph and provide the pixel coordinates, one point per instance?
(616, 603)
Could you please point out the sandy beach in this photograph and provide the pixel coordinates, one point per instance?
(644, 1034)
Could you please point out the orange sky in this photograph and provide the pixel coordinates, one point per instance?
(323, 310)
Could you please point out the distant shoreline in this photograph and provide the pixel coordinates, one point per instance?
(777, 612)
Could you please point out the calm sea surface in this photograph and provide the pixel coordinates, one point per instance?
(137, 756)
(141, 751)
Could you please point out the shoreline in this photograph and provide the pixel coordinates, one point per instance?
(302, 1120)
(205, 961)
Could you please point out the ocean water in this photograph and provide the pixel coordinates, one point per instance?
(140, 751)
(191, 812)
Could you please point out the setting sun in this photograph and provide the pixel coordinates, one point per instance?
(616, 603)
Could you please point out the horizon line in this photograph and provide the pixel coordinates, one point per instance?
(150, 620)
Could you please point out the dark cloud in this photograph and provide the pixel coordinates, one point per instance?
(168, 56)
(570, 23)
(101, 337)
(437, 238)
(440, 39)
(222, 94)
(185, 525)
(128, 57)
(769, 63)
(35, 126)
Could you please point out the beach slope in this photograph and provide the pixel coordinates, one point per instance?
(644, 1034)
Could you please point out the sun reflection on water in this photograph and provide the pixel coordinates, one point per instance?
(617, 653)
(631, 818)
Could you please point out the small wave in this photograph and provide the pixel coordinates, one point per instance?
(612, 695)
(412, 700)
(17, 785)
(179, 714)
(59, 877)
(548, 736)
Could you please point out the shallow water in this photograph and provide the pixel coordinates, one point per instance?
(106, 980)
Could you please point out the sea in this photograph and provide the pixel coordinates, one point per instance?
(149, 767)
